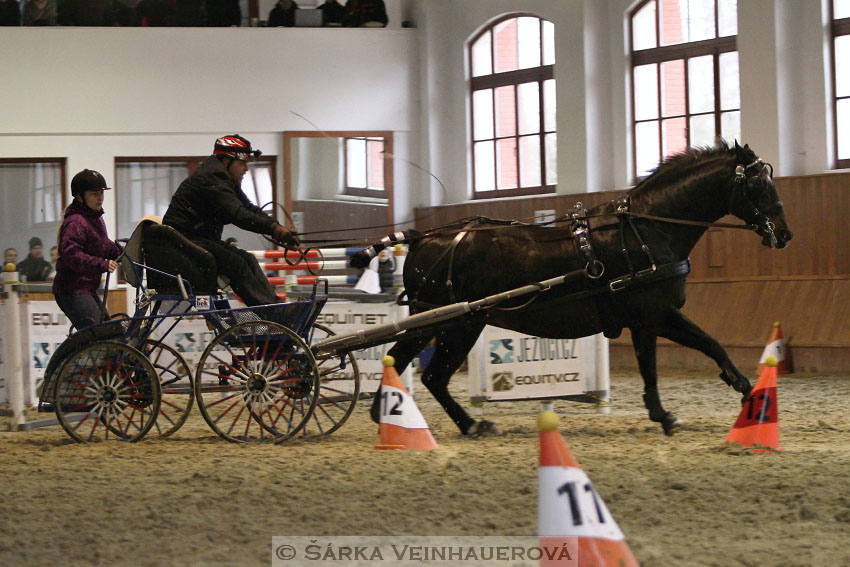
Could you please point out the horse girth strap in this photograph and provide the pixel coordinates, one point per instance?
(662, 272)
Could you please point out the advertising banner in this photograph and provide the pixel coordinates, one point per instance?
(506, 365)
(45, 328)
(345, 317)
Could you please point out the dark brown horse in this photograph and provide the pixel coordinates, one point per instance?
(630, 256)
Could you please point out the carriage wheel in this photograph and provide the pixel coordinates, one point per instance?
(339, 389)
(176, 383)
(107, 391)
(257, 381)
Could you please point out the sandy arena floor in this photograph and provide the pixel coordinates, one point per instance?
(689, 500)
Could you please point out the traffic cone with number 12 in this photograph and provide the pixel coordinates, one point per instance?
(402, 424)
(575, 526)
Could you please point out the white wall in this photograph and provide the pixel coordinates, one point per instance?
(92, 94)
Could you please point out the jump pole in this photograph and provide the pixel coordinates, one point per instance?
(15, 375)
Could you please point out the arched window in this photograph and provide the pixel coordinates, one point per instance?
(685, 83)
(512, 101)
(841, 80)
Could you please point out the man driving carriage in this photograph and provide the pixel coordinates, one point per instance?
(212, 197)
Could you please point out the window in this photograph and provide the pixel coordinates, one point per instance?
(685, 82)
(145, 186)
(512, 84)
(841, 80)
(364, 167)
(32, 201)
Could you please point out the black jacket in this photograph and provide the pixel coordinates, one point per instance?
(34, 269)
(209, 199)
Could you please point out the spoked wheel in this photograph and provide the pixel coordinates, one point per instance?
(176, 383)
(107, 391)
(257, 381)
(339, 388)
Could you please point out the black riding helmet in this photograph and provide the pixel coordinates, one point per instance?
(88, 180)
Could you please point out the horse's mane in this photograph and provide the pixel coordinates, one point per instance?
(677, 163)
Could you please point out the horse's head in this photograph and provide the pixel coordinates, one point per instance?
(754, 199)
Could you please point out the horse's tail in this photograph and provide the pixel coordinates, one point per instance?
(361, 259)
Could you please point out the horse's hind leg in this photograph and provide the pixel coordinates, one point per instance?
(682, 330)
(403, 352)
(451, 350)
(645, 344)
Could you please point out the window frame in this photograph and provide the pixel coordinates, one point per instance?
(192, 163)
(514, 78)
(348, 189)
(838, 28)
(686, 51)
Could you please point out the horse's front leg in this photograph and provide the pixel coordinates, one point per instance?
(682, 330)
(403, 352)
(645, 343)
(451, 349)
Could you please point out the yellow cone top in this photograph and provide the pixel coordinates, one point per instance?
(771, 361)
(776, 324)
(547, 420)
(10, 267)
(389, 361)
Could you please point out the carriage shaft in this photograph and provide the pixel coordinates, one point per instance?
(389, 332)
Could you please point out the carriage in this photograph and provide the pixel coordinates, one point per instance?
(270, 372)
(256, 380)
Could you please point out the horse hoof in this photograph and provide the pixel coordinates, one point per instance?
(483, 428)
(671, 423)
(375, 410)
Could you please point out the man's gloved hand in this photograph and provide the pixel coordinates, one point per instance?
(284, 237)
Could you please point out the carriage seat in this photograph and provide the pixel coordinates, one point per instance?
(163, 248)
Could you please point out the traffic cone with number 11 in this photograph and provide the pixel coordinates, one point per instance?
(402, 424)
(575, 526)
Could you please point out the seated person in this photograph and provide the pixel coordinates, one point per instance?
(332, 13)
(211, 198)
(365, 13)
(34, 268)
(283, 14)
(10, 256)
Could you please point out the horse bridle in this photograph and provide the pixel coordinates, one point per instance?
(748, 211)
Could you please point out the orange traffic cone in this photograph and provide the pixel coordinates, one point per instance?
(402, 424)
(777, 347)
(575, 526)
(758, 423)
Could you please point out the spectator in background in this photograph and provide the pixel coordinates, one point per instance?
(54, 255)
(283, 14)
(365, 13)
(190, 13)
(223, 13)
(10, 13)
(39, 13)
(86, 13)
(156, 13)
(125, 15)
(34, 268)
(332, 13)
(85, 252)
(10, 256)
